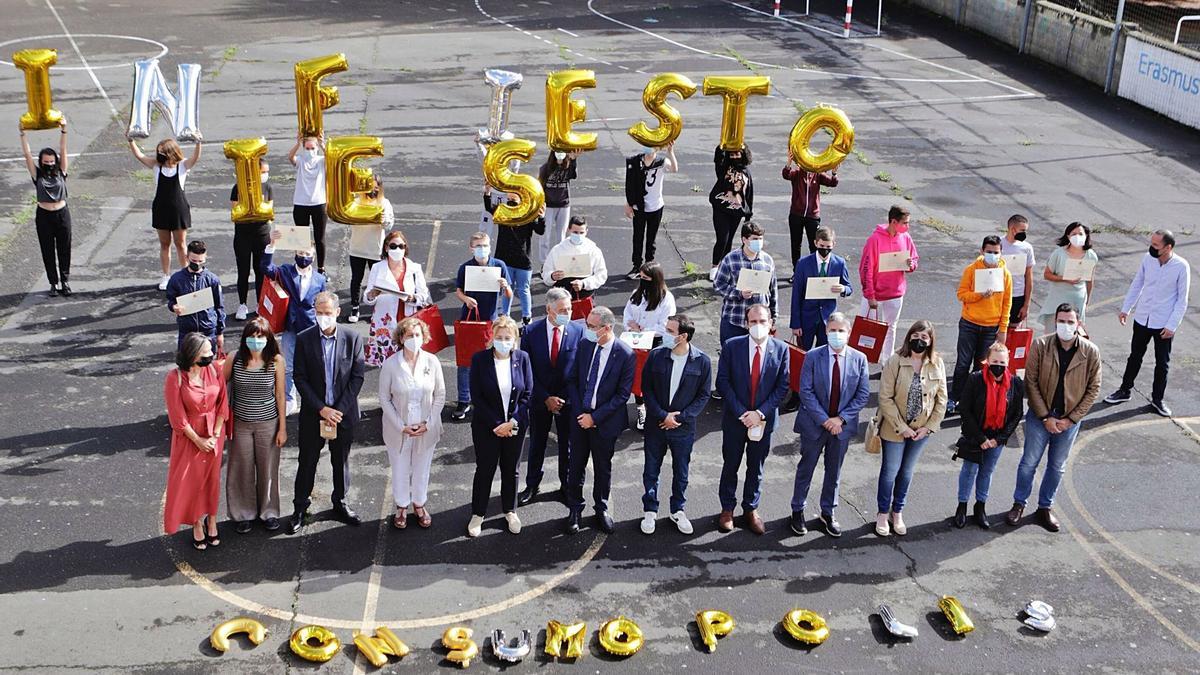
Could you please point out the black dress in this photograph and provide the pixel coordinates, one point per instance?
(170, 210)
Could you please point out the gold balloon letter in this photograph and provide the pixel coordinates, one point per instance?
(36, 65)
(498, 175)
(343, 180)
(562, 111)
(713, 623)
(654, 98)
(243, 624)
(315, 643)
(311, 98)
(462, 648)
(736, 89)
(821, 117)
(956, 614)
(621, 637)
(573, 634)
(806, 626)
(377, 649)
(250, 207)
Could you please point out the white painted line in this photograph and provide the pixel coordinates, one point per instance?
(371, 605)
(82, 59)
(162, 49)
(568, 32)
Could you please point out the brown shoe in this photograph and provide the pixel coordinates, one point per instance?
(754, 523)
(725, 521)
(1014, 514)
(1047, 520)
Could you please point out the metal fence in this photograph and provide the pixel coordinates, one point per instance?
(1177, 21)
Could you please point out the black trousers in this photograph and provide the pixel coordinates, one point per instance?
(802, 228)
(249, 240)
(54, 238)
(1162, 359)
(645, 227)
(311, 445)
(491, 452)
(725, 225)
(585, 444)
(540, 421)
(358, 271)
(1014, 315)
(313, 216)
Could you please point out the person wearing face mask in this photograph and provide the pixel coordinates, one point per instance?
(302, 284)
(258, 399)
(645, 174)
(883, 292)
(1157, 300)
(1015, 244)
(513, 244)
(491, 199)
(984, 319)
(394, 271)
(556, 175)
(249, 240)
(834, 388)
(992, 405)
(358, 266)
(171, 215)
(1063, 372)
(1074, 244)
(750, 255)
(501, 389)
(192, 278)
(598, 389)
(676, 381)
(808, 314)
(647, 310)
(53, 218)
(329, 376)
(732, 200)
(477, 306)
(804, 217)
(197, 409)
(752, 376)
(912, 403)
(551, 343)
(412, 393)
(576, 243)
(308, 200)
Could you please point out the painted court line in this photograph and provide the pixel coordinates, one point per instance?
(82, 58)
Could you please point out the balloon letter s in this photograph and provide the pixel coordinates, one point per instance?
(498, 175)
(654, 98)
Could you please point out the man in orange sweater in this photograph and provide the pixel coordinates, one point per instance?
(985, 315)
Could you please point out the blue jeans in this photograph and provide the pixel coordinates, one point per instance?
(520, 286)
(656, 445)
(896, 471)
(1036, 441)
(973, 343)
(464, 384)
(834, 449)
(978, 475)
(729, 330)
(287, 341)
(734, 444)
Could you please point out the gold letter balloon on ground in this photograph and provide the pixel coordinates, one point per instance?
(379, 647)
(806, 626)
(572, 634)
(243, 624)
(712, 624)
(462, 648)
(621, 637)
(315, 643)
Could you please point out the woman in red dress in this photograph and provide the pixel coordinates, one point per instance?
(197, 409)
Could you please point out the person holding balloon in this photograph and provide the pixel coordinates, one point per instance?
(556, 176)
(53, 218)
(249, 240)
(308, 200)
(358, 266)
(170, 213)
(732, 200)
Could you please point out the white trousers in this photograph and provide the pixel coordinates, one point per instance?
(410, 469)
(556, 230)
(889, 311)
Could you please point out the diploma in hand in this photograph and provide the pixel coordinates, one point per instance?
(196, 302)
(755, 281)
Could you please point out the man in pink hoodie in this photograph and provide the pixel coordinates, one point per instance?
(883, 292)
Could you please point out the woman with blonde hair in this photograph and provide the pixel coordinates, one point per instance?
(171, 215)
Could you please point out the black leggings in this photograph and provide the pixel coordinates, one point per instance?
(249, 240)
(358, 270)
(54, 238)
(305, 216)
(725, 224)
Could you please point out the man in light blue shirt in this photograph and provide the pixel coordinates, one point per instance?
(1156, 301)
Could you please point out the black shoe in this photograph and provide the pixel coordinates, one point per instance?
(53, 292)
(1118, 396)
(605, 522)
(716, 394)
(527, 495)
(796, 522)
(792, 404)
(635, 273)
(66, 289)
(346, 515)
(960, 515)
(461, 411)
(981, 516)
(832, 528)
(271, 524)
(296, 523)
(572, 523)
(242, 527)
(1160, 408)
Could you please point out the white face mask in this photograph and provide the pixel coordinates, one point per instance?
(576, 238)
(760, 331)
(560, 156)
(1078, 240)
(264, 177)
(503, 347)
(326, 322)
(837, 339)
(482, 252)
(396, 254)
(1066, 331)
(412, 343)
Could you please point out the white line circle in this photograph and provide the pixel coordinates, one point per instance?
(64, 36)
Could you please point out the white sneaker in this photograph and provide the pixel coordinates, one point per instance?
(712, 274)
(242, 312)
(681, 521)
(898, 525)
(475, 526)
(293, 407)
(162, 283)
(648, 518)
(881, 525)
(514, 523)
(641, 418)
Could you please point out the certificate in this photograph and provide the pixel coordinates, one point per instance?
(1078, 270)
(638, 339)
(482, 279)
(574, 266)
(1015, 262)
(755, 281)
(989, 279)
(894, 262)
(384, 282)
(821, 288)
(196, 302)
(294, 237)
(366, 241)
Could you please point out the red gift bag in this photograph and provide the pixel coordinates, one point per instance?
(867, 336)
(581, 307)
(795, 364)
(273, 305)
(438, 340)
(470, 336)
(1018, 343)
(642, 355)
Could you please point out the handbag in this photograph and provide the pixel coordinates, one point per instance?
(470, 336)
(581, 307)
(432, 317)
(795, 364)
(871, 440)
(1018, 342)
(867, 336)
(273, 305)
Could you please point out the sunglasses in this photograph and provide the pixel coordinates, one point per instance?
(396, 247)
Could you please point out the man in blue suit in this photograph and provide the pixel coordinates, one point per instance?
(752, 377)
(675, 385)
(808, 316)
(551, 344)
(834, 387)
(598, 390)
(302, 283)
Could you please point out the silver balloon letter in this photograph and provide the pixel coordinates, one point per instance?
(503, 83)
(150, 91)
(511, 653)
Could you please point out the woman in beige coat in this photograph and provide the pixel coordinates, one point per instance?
(412, 393)
(912, 403)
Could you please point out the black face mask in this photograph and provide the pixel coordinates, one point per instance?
(997, 371)
(162, 159)
(195, 267)
(204, 361)
(303, 261)
(49, 168)
(917, 346)
(1154, 252)
(1020, 236)
(824, 252)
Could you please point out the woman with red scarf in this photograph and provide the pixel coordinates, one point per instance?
(992, 405)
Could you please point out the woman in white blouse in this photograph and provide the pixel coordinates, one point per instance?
(647, 310)
(412, 393)
(392, 281)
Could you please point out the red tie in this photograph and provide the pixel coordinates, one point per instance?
(554, 348)
(754, 368)
(835, 388)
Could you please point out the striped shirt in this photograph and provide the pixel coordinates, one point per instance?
(254, 393)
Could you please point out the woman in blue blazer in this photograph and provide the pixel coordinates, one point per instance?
(501, 388)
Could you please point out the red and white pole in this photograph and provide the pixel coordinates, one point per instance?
(849, 13)
(776, 7)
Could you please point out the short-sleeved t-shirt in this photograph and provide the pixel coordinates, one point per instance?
(1018, 280)
(310, 181)
(655, 173)
(268, 195)
(488, 301)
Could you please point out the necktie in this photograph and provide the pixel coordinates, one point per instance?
(835, 388)
(554, 347)
(755, 367)
(591, 381)
(822, 272)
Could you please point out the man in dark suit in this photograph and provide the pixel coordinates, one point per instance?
(599, 389)
(302, 283)
(752, 377)
(676, 381)
(834, 387)
(552, 344)
(329, 374)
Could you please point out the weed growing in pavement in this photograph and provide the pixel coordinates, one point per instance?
(861, 157)
(940, 225)
(883, 177)
(24, 214)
